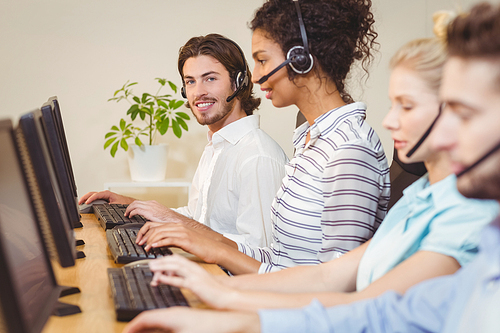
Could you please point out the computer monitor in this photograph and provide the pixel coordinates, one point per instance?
(28, 289)
(53, 132)
(61, 229)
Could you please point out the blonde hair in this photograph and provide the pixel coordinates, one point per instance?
(426, 56)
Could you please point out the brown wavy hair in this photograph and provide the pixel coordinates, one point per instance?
(339, 32)
(228, 54)
(476, 34)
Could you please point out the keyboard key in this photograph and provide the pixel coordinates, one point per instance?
(132, 292)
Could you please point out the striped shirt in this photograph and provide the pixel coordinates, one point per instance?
(334, 194)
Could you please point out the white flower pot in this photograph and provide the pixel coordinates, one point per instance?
(148, 163)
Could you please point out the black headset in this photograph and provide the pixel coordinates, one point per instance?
(298, 57)
(426, 134)
(241, 79)
(468, 168)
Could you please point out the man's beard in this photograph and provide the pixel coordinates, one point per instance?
(483, 181)
(224, 110)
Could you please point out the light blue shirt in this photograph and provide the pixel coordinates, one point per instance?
(434, 218)
(467, 301)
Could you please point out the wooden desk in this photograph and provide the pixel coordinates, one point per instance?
(89, 274)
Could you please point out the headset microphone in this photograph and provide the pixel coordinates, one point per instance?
(426, 134)
(485, 156)
(266, 77)
(299, 58)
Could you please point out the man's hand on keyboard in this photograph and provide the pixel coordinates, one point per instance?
(153, 211)
(180, 272)
(141, 238)
(181, 319)
(109, 196)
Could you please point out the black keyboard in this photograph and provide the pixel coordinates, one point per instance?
(121, 242)
(133, 293)
(111, 215)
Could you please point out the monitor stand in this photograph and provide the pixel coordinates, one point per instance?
(79, 254)
(63, 309)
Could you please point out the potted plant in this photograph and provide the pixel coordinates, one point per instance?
(147, 161)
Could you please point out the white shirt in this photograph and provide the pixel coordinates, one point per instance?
(334, 195)
(237, 178)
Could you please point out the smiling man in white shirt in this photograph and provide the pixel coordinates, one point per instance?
(241, 167)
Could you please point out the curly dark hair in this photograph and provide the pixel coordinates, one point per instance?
(228, 53)
(339, 32)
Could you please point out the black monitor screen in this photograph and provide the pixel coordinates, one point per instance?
(28, 275)
(54, 136)
(56, 111)
(61, 227)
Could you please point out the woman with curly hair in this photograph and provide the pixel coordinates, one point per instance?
(432, 231)
(336, 188)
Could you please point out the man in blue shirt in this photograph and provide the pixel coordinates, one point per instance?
(467, 301)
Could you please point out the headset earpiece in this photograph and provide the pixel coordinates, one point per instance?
(241, 78)
(301, 61)
(183, 92)
(298, 57)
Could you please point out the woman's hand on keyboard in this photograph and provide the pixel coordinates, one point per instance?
(180, 272)
(181, 236)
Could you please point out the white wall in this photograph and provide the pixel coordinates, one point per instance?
(82, 51)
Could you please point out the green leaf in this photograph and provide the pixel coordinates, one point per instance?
(131, 84)
(124, 144)
(114, 149)
(162, 103)
(160, 114)
(177, 104)
(133, 108)
(114, 128)
(163, 126)
(182, 123)
(143, 115)
(138, 141)
(176, 128)
(122, 124)
(109, 134)
(110, 141)
(136, 99)
(161, 81)
(172, 86)
(182, 115)
(145, 110)
(134, 114)
(145, 98)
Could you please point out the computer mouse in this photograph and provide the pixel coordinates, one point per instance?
(87, 208)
